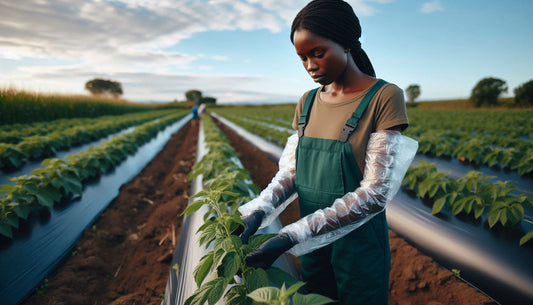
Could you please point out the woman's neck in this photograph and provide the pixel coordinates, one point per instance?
(352, 83)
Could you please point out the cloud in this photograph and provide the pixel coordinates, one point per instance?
(36, 28)
(63, 43)
(431, 7)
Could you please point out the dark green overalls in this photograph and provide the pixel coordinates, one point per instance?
(354, 269)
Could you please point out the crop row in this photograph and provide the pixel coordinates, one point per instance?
(441, 133)
(13, 156)
(16, 133)
(228, 185)
(269, 133)
(61, 180)
(470, 195)
(278, 115)
(468, 148)
(504, 124)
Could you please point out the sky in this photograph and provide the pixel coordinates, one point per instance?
(239, 51)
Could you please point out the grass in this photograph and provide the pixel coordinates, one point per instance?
(506, 103)
(19, 106)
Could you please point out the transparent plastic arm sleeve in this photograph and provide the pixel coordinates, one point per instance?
(388, 156)
(281, 191)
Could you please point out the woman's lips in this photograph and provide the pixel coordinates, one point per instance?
(317, 77)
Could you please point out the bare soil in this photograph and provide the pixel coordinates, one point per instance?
(125, 257)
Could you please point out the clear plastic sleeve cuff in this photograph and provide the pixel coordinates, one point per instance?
(281, 191)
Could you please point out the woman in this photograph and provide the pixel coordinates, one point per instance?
(345, 163)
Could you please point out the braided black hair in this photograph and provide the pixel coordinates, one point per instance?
(336, 21)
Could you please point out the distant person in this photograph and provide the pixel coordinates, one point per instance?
(194, 112)
(345, 163)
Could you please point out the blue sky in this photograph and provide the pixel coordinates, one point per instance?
(239, 50)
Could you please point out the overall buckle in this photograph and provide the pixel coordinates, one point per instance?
(301, 127)
(347, 131)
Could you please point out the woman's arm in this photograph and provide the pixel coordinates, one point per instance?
(388, 156)
(281, 191)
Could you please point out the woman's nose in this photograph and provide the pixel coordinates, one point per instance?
(311, 65)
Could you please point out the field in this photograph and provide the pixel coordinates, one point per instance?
(124, 256)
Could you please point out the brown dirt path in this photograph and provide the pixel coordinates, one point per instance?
(125, 259)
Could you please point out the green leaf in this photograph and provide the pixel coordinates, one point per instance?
(265, 294)
(292, 289)
(211, 292)
(478, 210)
(202, 269)
(503, 217)
(200, 194)
(5, 229)
(72, 184)
(12, 220)
(438, 205)
(215, 290)
(310, 299)
(22, 211)
(279, 277)
(45, 201)
(50, 194)
(494, 216)
(255, 279)
(236, 295)
(232, 194)
(515, 213)
(258, 239)
(230, 220)
(524, 238)
(229, 266)
(208, 233)
(193, 207)
(459, 205)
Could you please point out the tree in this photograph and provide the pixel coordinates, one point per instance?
(208, 100)
(523, 94)
(100, 86)
(413, 91)
(194, 95)
(487, 91)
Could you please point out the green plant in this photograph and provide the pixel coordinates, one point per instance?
(283, 296)
(471, 194)
(220, 266)
(41, 290)
(62, 179)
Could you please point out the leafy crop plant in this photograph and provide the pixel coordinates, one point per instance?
(222, 273)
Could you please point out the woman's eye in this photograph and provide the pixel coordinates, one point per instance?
(319, 54)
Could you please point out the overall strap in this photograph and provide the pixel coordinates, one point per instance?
(352, 122)
(304, 116)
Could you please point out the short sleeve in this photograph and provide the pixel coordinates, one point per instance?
(391, 110)
(298, 111)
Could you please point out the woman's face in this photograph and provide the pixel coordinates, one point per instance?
(324, 59)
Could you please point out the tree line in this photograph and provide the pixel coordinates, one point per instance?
(486, 92)
(110, 88)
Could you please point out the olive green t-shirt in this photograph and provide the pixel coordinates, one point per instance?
(326, 120)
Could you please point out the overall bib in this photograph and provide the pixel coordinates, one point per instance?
(354, 269)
